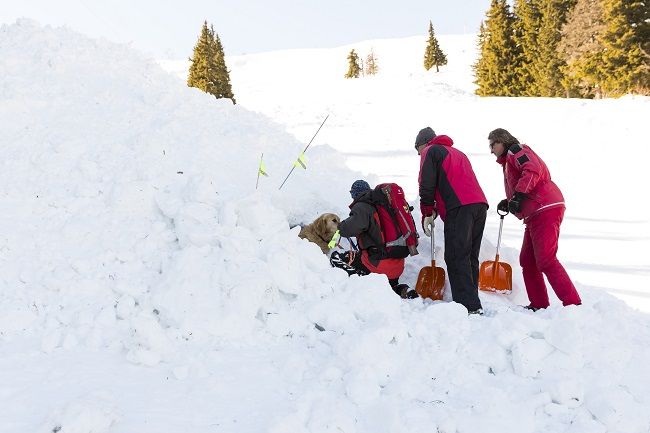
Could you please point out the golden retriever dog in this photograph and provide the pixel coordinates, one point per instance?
(321, 230)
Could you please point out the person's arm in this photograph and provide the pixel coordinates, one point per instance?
(529, 176)
(530, 172)
(358, 221)
(429, 166)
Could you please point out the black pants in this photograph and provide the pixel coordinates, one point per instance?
(463, 233)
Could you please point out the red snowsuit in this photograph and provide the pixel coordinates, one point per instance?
(542, 211)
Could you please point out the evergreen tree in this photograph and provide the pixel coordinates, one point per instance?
(580, 47)
(371, 67)
(433, 54)
(526, 28)
(353, 65)
(222, 84)
(548, 64)
(208, 70)
(625, 60)
(202, 65)
(496, 67)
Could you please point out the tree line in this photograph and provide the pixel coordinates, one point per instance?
(209, 73)
(570, 48)
(433, 56)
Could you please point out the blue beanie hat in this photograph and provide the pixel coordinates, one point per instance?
(358, 187)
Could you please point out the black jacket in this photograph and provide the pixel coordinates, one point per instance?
(362, 225)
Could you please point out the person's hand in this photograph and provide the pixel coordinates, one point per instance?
(514, 205)
(411, 294)
(503, 205)
(427, 224)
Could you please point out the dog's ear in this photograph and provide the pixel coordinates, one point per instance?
(320, 224)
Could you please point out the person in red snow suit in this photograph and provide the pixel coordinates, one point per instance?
(537, 200)
(362, 225)
(449, 188)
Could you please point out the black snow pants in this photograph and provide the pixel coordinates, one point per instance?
(463, 233)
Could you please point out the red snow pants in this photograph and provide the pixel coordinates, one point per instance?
(538, 256)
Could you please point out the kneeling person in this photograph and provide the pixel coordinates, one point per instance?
(371, 259)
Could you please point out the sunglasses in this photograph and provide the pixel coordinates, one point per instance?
(492, 144)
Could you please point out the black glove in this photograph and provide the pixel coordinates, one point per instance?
(405, 292)
(411, 294)
(515, 202)
(503, 205)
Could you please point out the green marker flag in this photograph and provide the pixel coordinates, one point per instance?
(261, 170)
(301, 162)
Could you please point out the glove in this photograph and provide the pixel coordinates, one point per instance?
(515, 202)
(503, 205)
(427, 224)
(411, 294)
(335, 239)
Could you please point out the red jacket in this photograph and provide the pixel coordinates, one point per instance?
(525, 172)
(446, 178)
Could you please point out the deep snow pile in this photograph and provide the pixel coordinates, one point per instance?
(145, 286)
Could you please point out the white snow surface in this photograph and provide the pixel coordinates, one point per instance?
(146, 286)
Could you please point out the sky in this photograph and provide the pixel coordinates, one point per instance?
(169, 29)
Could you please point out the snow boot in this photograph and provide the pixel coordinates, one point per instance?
(404, 291)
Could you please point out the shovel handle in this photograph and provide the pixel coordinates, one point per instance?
(500, 230)
(431, 227)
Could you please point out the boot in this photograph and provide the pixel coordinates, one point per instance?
(404, 291)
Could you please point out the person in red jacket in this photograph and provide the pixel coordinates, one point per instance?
(449, 188)
(536, 199)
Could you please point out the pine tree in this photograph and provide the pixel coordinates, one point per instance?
(497, 63)
(353, 65)
(200, 73)
(208, 70)
(222, 84)
(548, 64)
(371, 67)
(526, 28)
(625, 60)
(580, 48)
(433, 54)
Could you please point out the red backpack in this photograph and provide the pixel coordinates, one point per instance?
(396, 224)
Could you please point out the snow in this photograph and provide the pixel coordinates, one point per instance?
(146, 286)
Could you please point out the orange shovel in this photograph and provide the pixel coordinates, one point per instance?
(495, 276)
(431, 279)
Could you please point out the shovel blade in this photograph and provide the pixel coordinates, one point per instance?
(495, 277)
(430, 283)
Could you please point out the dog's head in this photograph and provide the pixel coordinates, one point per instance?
(327, 224)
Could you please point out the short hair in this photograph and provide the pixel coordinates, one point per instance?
(501, 135)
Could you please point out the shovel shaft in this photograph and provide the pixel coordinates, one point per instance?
(433, 258)
(499, 240)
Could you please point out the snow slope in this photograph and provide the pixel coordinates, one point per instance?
(145, 286)
(595, 149)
